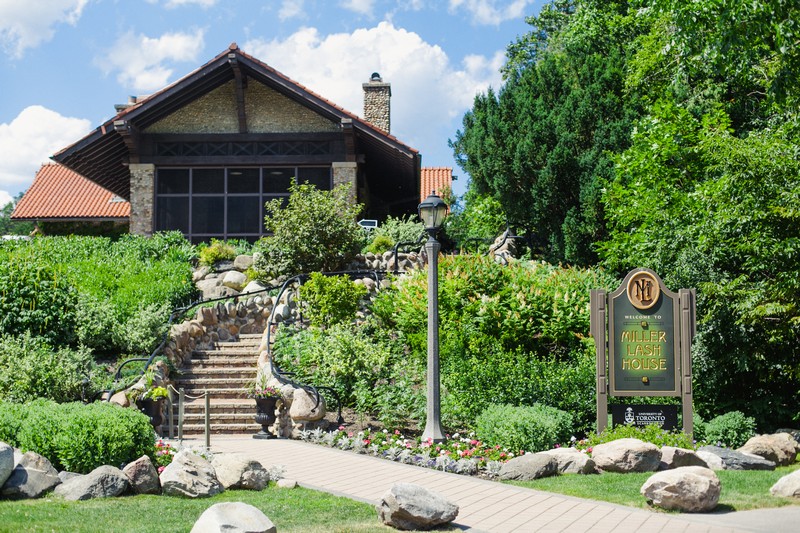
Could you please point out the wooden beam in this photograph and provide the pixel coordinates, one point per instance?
(131, 137)
(349, 140)
(241, 83)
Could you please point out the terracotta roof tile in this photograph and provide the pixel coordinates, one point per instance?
(59, 193)
(434, 179)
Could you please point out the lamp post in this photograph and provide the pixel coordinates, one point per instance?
(432, 212)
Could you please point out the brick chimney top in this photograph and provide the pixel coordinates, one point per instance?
(377, 97)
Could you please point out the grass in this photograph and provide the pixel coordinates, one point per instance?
(741, 490)
(298, 510)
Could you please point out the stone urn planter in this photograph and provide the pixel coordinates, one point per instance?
(265, 415)
(153, 408)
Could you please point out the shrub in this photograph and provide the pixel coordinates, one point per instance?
(216, 251)
(78, 437)
(30, 368)
(731, 429)
(329, 300)
(380, 244)
(316, 231)
(530, 428)
(402, 229)
(651, 433)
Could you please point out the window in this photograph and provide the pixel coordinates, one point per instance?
(225, 203)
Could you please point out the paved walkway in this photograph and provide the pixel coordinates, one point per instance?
(487, 506)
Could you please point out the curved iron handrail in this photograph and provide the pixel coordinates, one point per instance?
(395, 249)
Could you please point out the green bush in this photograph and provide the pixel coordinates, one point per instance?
(315, 231)
(731, 429)
(525, 428)
(30, 368)
(651, 433)
(78, 437)
(216, 251)
(380, 244)
(329, 300)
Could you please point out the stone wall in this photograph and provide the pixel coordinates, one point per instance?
(142, 195)
(377, 98)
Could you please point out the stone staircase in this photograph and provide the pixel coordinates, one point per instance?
(225, 372)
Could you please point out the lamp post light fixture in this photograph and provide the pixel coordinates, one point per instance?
(432, 212)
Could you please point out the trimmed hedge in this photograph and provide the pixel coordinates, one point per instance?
(77, 437)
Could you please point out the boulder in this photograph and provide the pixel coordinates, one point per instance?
(572, 461)
(207, 285)
(713, 460)
(143, 476)
(529, 466)
(253, 286)
(235, 280)
(221, 292)
(412, 507)
(237, 471)
(672, 457)
(65, 476)
(627, 455)
(302, 408)
(243, 262)
(780, 448)
(190, 476)
(102, 482)
(32, 476)
(233, 517)
(795, 433)
(691, 489)
(223, 266)
(734, 460)
(788, 486)
(6, 462)
(286, 483)
(200, 273)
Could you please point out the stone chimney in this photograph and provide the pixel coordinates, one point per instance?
(377, 95)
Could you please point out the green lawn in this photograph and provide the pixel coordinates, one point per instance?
(741, 490)
(299, 509)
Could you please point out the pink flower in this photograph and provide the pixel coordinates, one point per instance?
(161, 469)
(396, 431)
(350, 434)
(341, 428)
(366, 441)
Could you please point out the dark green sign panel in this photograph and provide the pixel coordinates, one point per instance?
(642, 338)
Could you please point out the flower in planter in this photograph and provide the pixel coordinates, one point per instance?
(265, 392)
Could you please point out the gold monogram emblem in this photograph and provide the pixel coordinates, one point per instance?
(643, 290)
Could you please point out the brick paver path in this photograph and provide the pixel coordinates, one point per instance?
(487, 506)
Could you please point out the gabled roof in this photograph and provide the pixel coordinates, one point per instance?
(102, 155)
(434, 179)
(58, 193)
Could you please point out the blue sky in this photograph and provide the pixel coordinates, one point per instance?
(65, 63)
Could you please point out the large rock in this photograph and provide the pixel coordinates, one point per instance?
(572, 461)
(243, 262)
(529, 467)
(206, 286)
(233, 517)
(627, 455)
(712, 460)
(32, 477)
(672, 457)
(253, 286)
(795, 433)
(143, 476)
(302, 408)
(237, 471)
(788, 486)
(412, 507)
(734, 460)
(6, 462)
(780, 448)
(691, 489)
(102, 482)
(235, 280)
(190, 476)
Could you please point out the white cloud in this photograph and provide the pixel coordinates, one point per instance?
(291, 9)
(5, 198)
(429, 93)
(362, 7)
(28, 24)
(170, 4)
(28, 141)
(487, 12)
(142, 61)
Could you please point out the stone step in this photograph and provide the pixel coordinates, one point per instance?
(222, 362)
(217, 429)
(226, 382)
(194, 373)
(232, 393)
(228, 352)
(234, 406)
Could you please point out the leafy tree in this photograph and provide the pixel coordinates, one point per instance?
(315, 231)
(13, 227)
(480, 218)
(538, 145)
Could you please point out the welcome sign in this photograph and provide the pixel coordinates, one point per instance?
(643, 335)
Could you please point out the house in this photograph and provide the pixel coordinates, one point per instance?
(205, 154)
